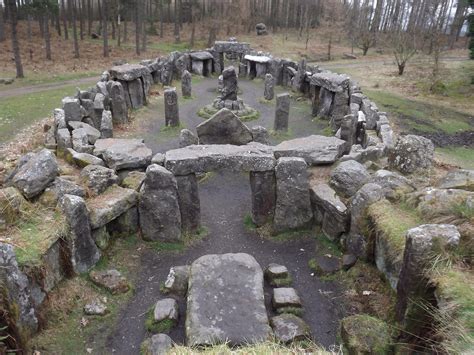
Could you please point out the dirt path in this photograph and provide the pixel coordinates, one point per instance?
(225, 201)
(46, 87)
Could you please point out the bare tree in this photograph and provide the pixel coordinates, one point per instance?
(64, 17)
(13, 14)
(72, 4)
(105, 28)
(2, 25)
(404, 48)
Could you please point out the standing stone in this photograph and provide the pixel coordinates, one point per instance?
(269, 92)
(282, 112)
(106, 125)
(293, 206)
(137, 95)
(171, 107)
(263, 185)
(72, 109)
(189, 203)
(83, 251)
(118, 104)
(348, 130)
(186, 84)
(160, 217)
(230, 85)
(298, 79)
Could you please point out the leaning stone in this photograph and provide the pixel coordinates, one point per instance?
(289, 328)
(111, 204)
(458, 179)
(171, 107)
(82, 159)
(260, 135)
(315, 150)
(363, 334)
(166, 309)
(84, 254)
(215, 284)
(72, 109)
(189, 203)
(224, 128)
(112, 280)
(158, 344)
(57, 189)
(95, 308)
(293, 206)
(106, 125)
(284, 297)
(177, 280)
(348, 177)
(160, 216)
(36, 174)
(411, 153)
(98, 178)
(186, 137)
(282, 112)
(121, 154)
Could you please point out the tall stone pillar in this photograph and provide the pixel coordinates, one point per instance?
(186, 87)
(189, 202)
(269, 92)
(171, 107)
(263, 185)
(282, 112)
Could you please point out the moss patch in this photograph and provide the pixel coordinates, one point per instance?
(297, 311)
(154, 327)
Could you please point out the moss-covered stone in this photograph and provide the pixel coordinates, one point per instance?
(363, 334)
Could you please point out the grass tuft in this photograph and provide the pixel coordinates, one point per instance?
(154, 327)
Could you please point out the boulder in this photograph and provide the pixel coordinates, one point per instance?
(212, 157)
(158, 158)
(293, 206)
(232, 284)
(177, 280)
(133, 180)
(36, 174)
(224, 128)
(288, 328)
(101, 237)
(434, 203)
(166, 310)
(411, 153)
(98, 178)
(80, 141)
(186, 137)
(160, 216)
(83, 251)
(120, 154)
(114, 202)
(363, 334)
(158, 344)
(315, 150)
(90, 132)
(128, 72)
(326, 264)
(118, 103)
(95, 308)
(392, 183)
(348, 261)
(112, 280)
(72, 109)
(458, 179)
(230, 84)
(63, 140)
(348, 177)
(57, 189)
(260, 135)
(83, 159)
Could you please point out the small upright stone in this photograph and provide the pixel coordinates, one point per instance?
(282, 112)
(269, 92)
(171, 107)
(106, 125)
(277, 275)
(186, 88)
(186, 137)
(230, 86)
(166, 309)
(177, 280)
(288, 328)
(284, 297)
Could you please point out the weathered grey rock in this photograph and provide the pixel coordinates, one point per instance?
(57, 189)
(124, 225)
(339, 109)
(269, 91)
(99, 102)
(72, 109)
(36, 174)
(348, 177)
(285, 297)
(16, 288)
(364, 334)
(276, 274)
(83, 251)
(80, 141)
(370, 111)
(95, 308)
(177, 280)
(230, 85)
(182, 64)
(387, 136)
(160, 216)
(348, 131)
(330, 211)
(166, 309)
(59, 119)
(441, 202)
(212, 157)
(392, 183)
(63, 140)
(261, 29)
(189, 202)
(330, 81)
(348, 261)
(91, 133)
(133, 180)
(158, 158)
(122, 154)
(260, 135)
(137, 94)
(118, 103)
(186, 84)
(106, 125)
(186, 137)
(298, 79)
(50, 139)
(158, 344)
(263, 187)
(82, 159)
(421, 244)
(293, 206)
(315, 150)
(282, 112)
(289, 328)
(233, 284)
(20, 163)
(322, 106)
(458, 179)
(171, 107)
(411, 153)
(128, 72)
(114, 202)
(224, 128)
(98, 178)
(112, 280)
(368, 194)
(101, 237)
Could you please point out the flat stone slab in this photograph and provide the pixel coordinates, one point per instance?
(201, 55)
(314, 149)
(121, 154)
(288, 328)
(205, 158)
(330, 81)
(226, 301)
(128, 72)
(258, 58)
(230, 46)
(285, 297)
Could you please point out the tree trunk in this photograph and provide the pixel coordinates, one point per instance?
(144, 31)
(2, 25)
(161, 18)
(64, 17)
(89, 18)
(47, 35)
(74, 28)
(401, 68)
(193, 29)
(105, 29)
(176, 22)
(137, 27)
(12, 11)
(81, 20)
(125, 30)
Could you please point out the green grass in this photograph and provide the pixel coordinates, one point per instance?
(327, 246)
(33, 78)
(414, 115)
(282, 281)
(163, 326)
(19, 112)
(168, 246)
(297, 311)
(460, 156)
